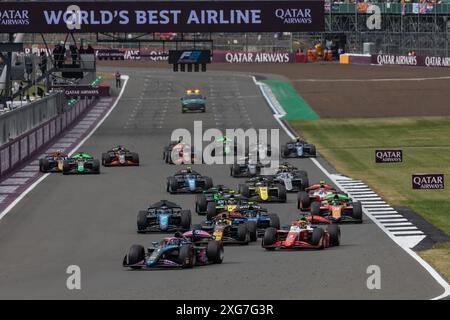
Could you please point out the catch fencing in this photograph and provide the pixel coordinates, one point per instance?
(18, 150)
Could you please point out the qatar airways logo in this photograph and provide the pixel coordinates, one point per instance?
(294, 16)
(428, 181)
(14, 17)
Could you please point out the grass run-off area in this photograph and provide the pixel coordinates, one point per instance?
(350, 144)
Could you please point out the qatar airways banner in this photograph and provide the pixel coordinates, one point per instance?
(420, 61)
(253, 57)
(161, 16)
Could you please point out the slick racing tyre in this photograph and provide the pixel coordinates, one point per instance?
(200, 203)
(269, 238)
(357, 211)
(274, 221)
(186, 256)
(316, 236)
(251, 227)
(135, 255)
(335, 234)
(211, 211)
(303, 201)
(242, 233)
(142, 222)
(315, 208)
(185, 220)
(105, 159)
(44, 165)
(214, 252)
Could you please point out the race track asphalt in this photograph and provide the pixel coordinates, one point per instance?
(90, 221)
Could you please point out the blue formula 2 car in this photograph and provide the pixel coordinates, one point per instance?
(298, 149)
(193, 248)
(188, 181)
(163, 216)
(254, 212)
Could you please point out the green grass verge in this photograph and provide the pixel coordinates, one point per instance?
(349, 144)
(295, 106)
(439, 257)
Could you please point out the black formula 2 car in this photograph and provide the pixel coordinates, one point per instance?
(188, 181)
(163, 216)
(192, 248)
(120, 156)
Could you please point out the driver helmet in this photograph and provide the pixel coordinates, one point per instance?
(297, 139)
(189, 169)
(322, 183)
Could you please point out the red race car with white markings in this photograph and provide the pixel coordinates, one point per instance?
(302, 235)
(313, 193)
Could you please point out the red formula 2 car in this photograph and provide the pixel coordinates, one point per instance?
(301, 235)
(314, 193)
(120, 156)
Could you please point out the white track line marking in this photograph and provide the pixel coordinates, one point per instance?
(30, 188)
(406, 246)
(371, 80)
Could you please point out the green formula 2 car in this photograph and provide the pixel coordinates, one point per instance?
(81, 163)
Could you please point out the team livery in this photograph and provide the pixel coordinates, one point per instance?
(120, 156)
(263, 189)
(81, 163)
(188, 181)
(163, 216)
(193, 248)
(301, 235)
(53, 162)
(337, 207)
(298, 149)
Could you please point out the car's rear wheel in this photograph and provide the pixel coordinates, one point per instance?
(185, 219)
(244, 190)
(316, 236)
(215, 252)
(142, 222)
(274, 221)
(96, 166)
(242, 232)
(269, 238)
(208, 183)
(186, 256)
(200, 203)
(66, 167)
(135, 158)
(284, 152)
(335, 234)
(135, 255)
(172, 185)
(312, 150)
(251, 227)
(211, 211)
(105, 159)
(303, 201)
(357, 211)
(235, 170)
(281, 193)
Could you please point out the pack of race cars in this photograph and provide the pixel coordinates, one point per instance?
(231, 216)
(237, 216)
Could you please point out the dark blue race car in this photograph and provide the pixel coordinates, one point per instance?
(263, 219)
(298, 149)
(192, 248)
(188, 181)
(163, 216)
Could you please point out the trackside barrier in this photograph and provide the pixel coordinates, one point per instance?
(15, 152)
